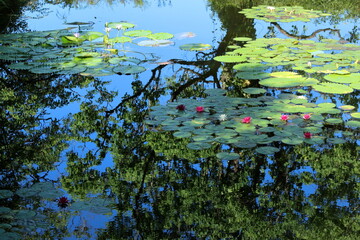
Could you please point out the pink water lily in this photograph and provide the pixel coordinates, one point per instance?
(306, 116)
(246, 120)
(199, 109)
(307, 135)
(284, 117)
(181, 107)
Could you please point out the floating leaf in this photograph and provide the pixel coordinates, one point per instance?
(342, 78)
(182, 134)
(160, 36)
(254, 90)
(6, 194)
(242, 39)
(347, 107)
(198, 145)
(288, 82)
(355, 115)
(333, 88)
(129, 69)
(195, 47)
(335, 140)
(120, 25)
(137, 33)
(267, 150)
(354, 124)
(230, 58)
(227, 156)
(155, 43)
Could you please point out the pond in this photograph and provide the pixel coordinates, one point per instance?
(179, 119)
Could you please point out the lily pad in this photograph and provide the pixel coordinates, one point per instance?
(254, 90)
(227, 156)
(355, 115)
(332, 88)
(198, 145)
(129, 69)
(195, 47)
(268, 150)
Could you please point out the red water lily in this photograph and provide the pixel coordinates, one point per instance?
(63, 202)
(246, 120)
(306, 116)
(199, 109)
(307, 135)
(284, 117)
(181, 107)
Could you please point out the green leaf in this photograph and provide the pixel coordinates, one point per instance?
(160, 36)
(227, 156)
(137, 33)
(230, 58)
(195, 47)
(198, 145)
(129, 69)
(268, 150)
(333, 88)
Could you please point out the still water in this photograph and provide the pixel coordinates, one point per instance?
(83, 157)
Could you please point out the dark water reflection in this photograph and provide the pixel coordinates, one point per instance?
(155, 187)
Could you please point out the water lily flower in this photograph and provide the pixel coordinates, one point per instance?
(107, 29)
(222, 117)
(199, 109)
(119, 27)
(246, 120)
(271, 8)
(284, 117)
(306, 116)
(63, 202)
(77, 35)
(307, 135)
(181, 107)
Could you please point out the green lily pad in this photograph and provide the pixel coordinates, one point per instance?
(137, 33)
(355, 115)
(6, 194)
(182, 134)
(242, 39)
(332, 88)
(293, 141)
(230, 58)
(342, 78)
(254, 90)
(334, 120)
(288, 82)
(227, 156)
(198, 145)
(335, 140)
(160, 36)
(129, 69)
(354, 124)
(195, 47)
(120, 25)
(268, 150)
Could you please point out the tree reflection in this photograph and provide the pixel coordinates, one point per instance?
(163, 189)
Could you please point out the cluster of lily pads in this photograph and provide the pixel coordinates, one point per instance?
(282, 14)
(249, 122)
(86, 52)
(328, 66)
(16, 222)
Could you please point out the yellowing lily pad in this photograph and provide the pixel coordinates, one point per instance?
(195, 47)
